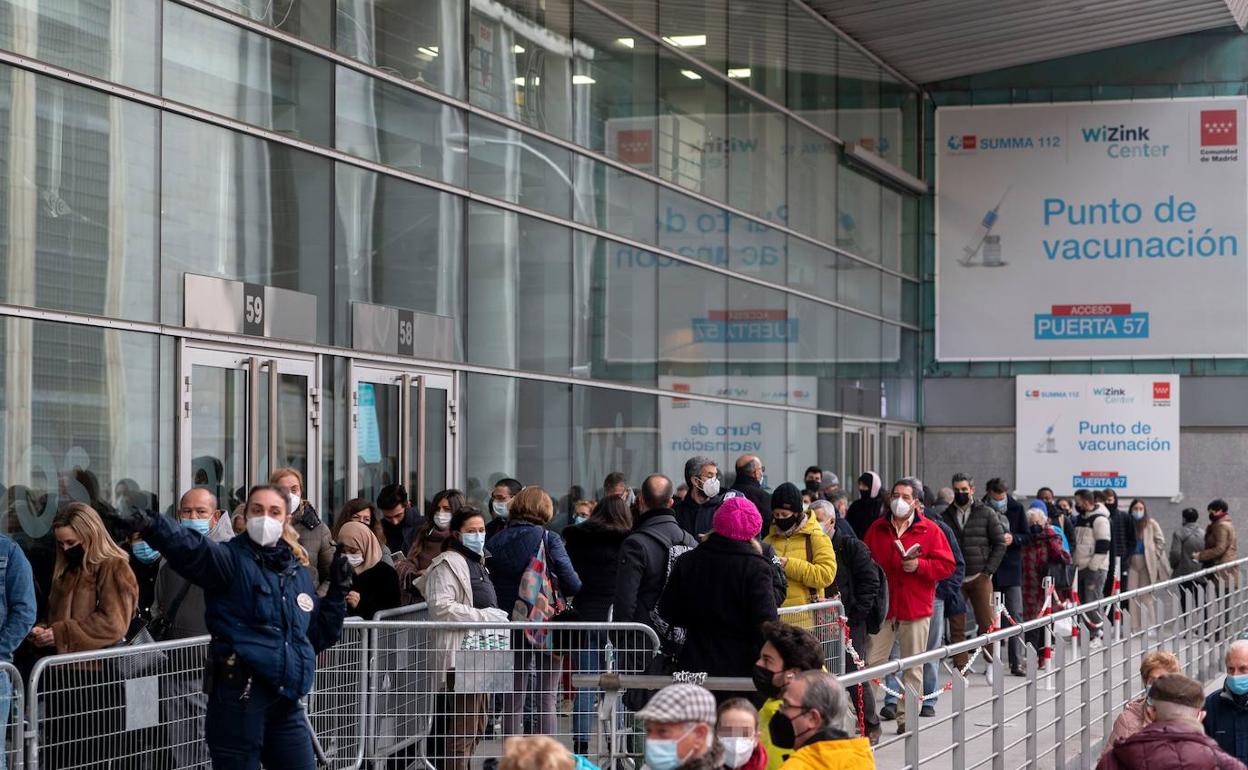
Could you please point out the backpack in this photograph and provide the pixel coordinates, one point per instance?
(672, 637)
(879, 608)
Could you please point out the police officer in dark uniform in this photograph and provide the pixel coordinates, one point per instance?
(267, 626)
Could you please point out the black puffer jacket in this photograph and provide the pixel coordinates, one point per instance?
(721, 594)
(982, 540)
(642, 564)
(862, 512)
(857, 577)
(595, 554)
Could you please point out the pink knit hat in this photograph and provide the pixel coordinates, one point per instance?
(738, 519)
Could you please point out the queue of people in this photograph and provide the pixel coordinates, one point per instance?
(709, 572)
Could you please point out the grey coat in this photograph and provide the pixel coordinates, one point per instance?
(982, 540)
(1185, 541)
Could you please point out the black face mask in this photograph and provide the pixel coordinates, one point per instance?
(961, 499)
(782, 735)
(785, 525)
(765, 682)
(812, 486)
(1112, 507)
(74, 556)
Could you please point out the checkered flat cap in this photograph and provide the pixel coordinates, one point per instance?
(680, 703)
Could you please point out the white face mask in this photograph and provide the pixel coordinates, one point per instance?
(442, 520)
(737, 751)
(500, 509)
(264, 530)
(710, 487)
(901, 509)
(355, 559)
(293, 500)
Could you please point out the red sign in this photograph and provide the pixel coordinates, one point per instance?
(968, 142)
(1102, 308)
(1099, 474)
(1219, 128)
(635, 146)
(1161, 391)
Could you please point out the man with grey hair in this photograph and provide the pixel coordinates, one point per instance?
(696, 511)
(1173, 738)
(749, 482)
(680, 729)
(1226, 710)
(810, 719)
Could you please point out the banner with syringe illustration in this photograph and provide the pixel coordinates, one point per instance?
(1092, 230)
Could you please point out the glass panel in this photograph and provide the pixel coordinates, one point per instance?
(376, 437)
(624, 310)
(420, 42)
(693, 139)
(78, 192)
(516, 167)
(691, 427)
(900, 373)
(699, 29)
(813, 56)
(757, 49)
(80, 417)
(615, 431)
(829, 447)
(620, 106)
(222, 68)
(694, 329)
(855, 460)
(111, 39)
(242, 208)
(520, 63)
(859, 354)
(531, 444)
(519, 309)
(308, 19)
(397, 244)
(292, 424)
(813, 171)
(219, 432)
(383, 122)
(812, 358)
(435, 444)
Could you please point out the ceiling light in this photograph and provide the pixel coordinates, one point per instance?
(740, 74)
(522, 82)
(430, 51)
(691, 74)
(627, 42)
(582, 80)
(517, 49)
(687, 41)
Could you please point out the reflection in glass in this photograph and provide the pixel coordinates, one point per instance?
(420, 42)
(222, 68)
(109, 39)
(397, 244)
(615, 431)
(620, 106)
(520, 292)
(219, 432)
(694, 328)
(78, 192)
(80, 408)
(624, 317)
(242, 208)
(383, 122)
(377, 437)
(308, 19)
(516, 167)
(435, 445)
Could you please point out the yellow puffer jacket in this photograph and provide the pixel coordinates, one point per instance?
(845, 754)
(805, 574)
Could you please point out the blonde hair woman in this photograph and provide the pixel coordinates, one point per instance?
(267, 627)
(306, 523)
(93, 599)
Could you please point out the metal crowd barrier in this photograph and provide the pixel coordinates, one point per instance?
(824, 620)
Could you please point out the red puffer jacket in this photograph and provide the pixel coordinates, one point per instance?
(911, 595)
(1171, 745)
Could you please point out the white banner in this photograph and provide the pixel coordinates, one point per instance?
(1098, 431)
(1104, 229)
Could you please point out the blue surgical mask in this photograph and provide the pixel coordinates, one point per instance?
(500, 509)
(999, 505)
(1137, 515)
(662, 755)
(1237, 684)
(474, 541)
(199, 525)
(579, 519)
(144, 552)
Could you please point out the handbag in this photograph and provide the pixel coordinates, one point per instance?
(138, 664)
(158, 629)
(538, 599)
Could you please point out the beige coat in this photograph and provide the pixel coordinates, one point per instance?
(447, 587)
(1156, 557)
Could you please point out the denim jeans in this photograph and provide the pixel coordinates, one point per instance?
(935, 632)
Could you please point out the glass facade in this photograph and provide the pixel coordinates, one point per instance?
(632, 217)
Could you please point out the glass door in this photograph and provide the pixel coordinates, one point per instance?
(242, 414)
(899, 452)
(402, 430)
(860, 452)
